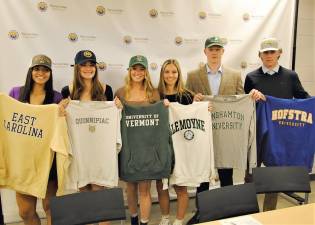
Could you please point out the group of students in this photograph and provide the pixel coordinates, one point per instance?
(212, 79)
(138, 90)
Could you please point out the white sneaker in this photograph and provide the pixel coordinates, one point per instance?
(165, 221)
(178, 222)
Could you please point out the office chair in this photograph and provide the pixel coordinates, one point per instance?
(286, 179)
(88, 207)
(227, 202)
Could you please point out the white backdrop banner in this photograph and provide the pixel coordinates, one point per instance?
(118, 29)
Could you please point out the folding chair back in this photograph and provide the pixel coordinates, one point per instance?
(287, 179)
(227, 202)
(88, 207)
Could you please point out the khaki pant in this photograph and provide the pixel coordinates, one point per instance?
(270, 201)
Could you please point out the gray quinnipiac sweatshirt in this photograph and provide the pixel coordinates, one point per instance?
(147, 149)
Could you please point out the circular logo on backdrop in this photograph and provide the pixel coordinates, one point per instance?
(102, 66)
(246, 16)
(189, 135)
(243, 64)
(153, 13)
(202, 15)
(73, 37)
(13, 34)
(224, 41)
(178, 40)
(153, 66)
(100, 10)
(42, 6)
(127, 39)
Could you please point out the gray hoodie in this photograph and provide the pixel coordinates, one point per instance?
(147, 149)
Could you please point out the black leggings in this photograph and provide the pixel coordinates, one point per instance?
(1, 216)
(225, 176)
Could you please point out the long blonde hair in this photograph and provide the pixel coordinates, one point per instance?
(179, 85)
(148, 87)
(97, 91)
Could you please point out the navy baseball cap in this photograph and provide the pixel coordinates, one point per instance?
(84, 56)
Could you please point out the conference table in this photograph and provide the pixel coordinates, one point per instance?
(296, 215)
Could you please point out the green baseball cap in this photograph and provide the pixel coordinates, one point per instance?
(213, 41)
(138, 59)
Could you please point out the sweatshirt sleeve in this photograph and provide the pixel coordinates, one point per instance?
(212, 168)
(239, 84)
(189, 85)
(252, 146)
(61, 146)
(261, 129)
(298, 89)
(248, 86)
(118, 140)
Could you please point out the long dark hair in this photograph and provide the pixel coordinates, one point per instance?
(26, 90)
(97, 91)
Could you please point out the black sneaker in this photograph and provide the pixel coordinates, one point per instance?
(134, 220)
(193, 220)
(143, 223)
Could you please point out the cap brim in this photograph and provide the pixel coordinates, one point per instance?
(86, 60)
(49, 67)
(215, 44)
(138, 63)
(268, 49)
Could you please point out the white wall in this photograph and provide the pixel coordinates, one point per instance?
(305, 54)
